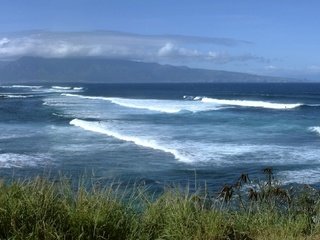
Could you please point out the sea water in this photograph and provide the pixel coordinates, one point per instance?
(162, 133)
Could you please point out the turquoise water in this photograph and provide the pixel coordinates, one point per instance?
(161, 133)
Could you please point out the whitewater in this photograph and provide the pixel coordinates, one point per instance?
(175, 106)
(162, 132)
(103, 129)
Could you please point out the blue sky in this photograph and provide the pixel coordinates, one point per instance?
(275, 37)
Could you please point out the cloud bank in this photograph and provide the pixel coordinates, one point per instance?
(158, 48)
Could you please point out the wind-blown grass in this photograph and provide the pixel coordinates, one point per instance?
(44, 209)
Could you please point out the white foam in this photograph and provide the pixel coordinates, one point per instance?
(61, 88)
(16, 96)
(84, 97)
(197, 151)
(9, 160)
(247, 103)
(78, 88)
(23, 86)
(199, 103)
(303, 176)
(165, 106)
(148, 143)
(54, 104)
(53, 89)
(197, 98)
(315, 129)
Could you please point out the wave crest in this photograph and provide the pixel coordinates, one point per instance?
(189, 103)
(249, 103)
(24, 86)
(103, 129)
(164, 106)
(315, 129)
(15, 96)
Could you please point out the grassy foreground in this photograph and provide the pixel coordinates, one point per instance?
(43, 209)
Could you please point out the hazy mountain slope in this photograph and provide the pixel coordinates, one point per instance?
(33, 69)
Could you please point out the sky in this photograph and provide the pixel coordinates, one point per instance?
(274, 37)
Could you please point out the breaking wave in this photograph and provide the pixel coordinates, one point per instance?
(78, 88)
(315, 129)
(249, 103)
(15, 96)
(191, 104)
(84, 97)
(103, 129)
(22, 86)
(164, 106)
(60, 89)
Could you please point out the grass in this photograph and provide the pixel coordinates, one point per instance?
(46, 209)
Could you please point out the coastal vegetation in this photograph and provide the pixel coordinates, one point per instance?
(57, 209)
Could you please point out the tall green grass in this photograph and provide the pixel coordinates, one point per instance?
(44, 209)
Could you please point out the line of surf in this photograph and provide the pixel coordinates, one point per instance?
(60, 89)
(157, 105)
(66, 88)
(84, 97)
(15, 96)
(197, 105)
(103, 129)
(249, 103)
(22, 86)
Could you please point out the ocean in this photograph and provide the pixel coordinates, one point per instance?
(161, 134)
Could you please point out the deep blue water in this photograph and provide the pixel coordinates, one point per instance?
(162, 133)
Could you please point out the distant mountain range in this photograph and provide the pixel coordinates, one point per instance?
(94, 70)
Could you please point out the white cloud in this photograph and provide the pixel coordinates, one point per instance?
(170, 51)
(166, 50)
(170, 48)
(4, 41)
